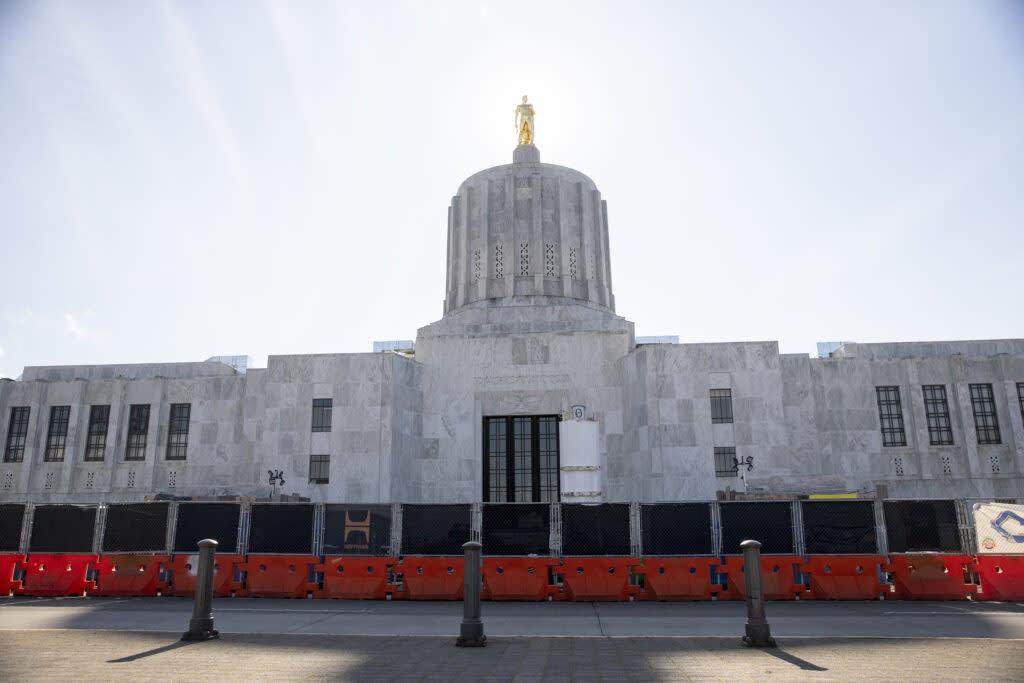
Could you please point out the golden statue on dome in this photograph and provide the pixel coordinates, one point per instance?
(524, 122)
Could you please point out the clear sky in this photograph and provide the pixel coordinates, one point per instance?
(195, 178)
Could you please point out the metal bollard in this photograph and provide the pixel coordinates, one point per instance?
(471, 634)
(759, 634)
(200, 626)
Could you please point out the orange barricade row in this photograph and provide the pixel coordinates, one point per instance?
(678, 578)
(930, 577)
(356, 578)
(777, 577)
(9, 564)
(518, 578)
(1002, 577)
(279, 576)
(844, 577)
(432, 578)
(48, 575)
(131, 574)
(598, 578)
(183, 575)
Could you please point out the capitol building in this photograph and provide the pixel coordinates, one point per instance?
(531, 387)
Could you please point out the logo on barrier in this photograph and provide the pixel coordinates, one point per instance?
(1003, 517)
(987, 543)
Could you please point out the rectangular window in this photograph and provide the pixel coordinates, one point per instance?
(725, 461)
(96, 443)
(138, 427)
(177, 431)
(17, 430)
(57, 434)
(319, 469)
(721, 406)
(936, 409)
(322, 414)
(521, 459)
(890, 414)
(986, 422)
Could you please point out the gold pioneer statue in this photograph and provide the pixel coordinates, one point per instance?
(524, 122)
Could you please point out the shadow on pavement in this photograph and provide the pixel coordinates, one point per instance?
(150, 653)
(793, 659)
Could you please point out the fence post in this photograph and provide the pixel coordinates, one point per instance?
(758, 633)
(471, 633)
(200, 626)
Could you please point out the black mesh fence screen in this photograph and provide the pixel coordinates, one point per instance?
(136, 527)
(281, 529)
(357, 530)
(676, 529)
(845, 527)
(595, 529)
(62, 529)
(770, 523)
(922, 526)
(516, 529)
(435, 529)
(197, 521)
(11, 517)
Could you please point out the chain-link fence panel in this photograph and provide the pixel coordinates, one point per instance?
(63, 529)
(11, 517)
(839, 527)
(510, 529)
(198, 521)
(435, 529)
(595, 529)
(135, 527)
(768, 522)
(281, 529)
(357, 530)
(922, 526)
(676, 529)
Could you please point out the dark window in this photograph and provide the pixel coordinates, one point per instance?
(936, 409)
(17, 430)
(96, 443)
(721, 406)
(57, 434)
(138, 427)
(521, 459)
(322, 414)
(986, 422)
(319, 469)
(177, 431)
(725, 461)
(890, 414)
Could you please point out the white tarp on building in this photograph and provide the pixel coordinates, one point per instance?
(999, 527)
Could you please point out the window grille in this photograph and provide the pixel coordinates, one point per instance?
(177, 431)
(726, 464)
(322, 414)
(521, 459)
(936, 409)
(986, 421)
(721, 406)
(17, 431)
(57, 433)
(138, 427)
(96, 440)
(890, 414)
(319, 469)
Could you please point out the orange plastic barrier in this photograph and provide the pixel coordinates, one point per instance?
(598, 578)
(1002, 577)
(930, 577)
(131, 574)
(356, 578)
(844, 577)
(678, 578)
(8, 565)
(518, 578)
(433, 578)
(183, 575)
(58, 574)
(777, 578)
(279, 576)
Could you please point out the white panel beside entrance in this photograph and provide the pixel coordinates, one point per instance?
(580, 461)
